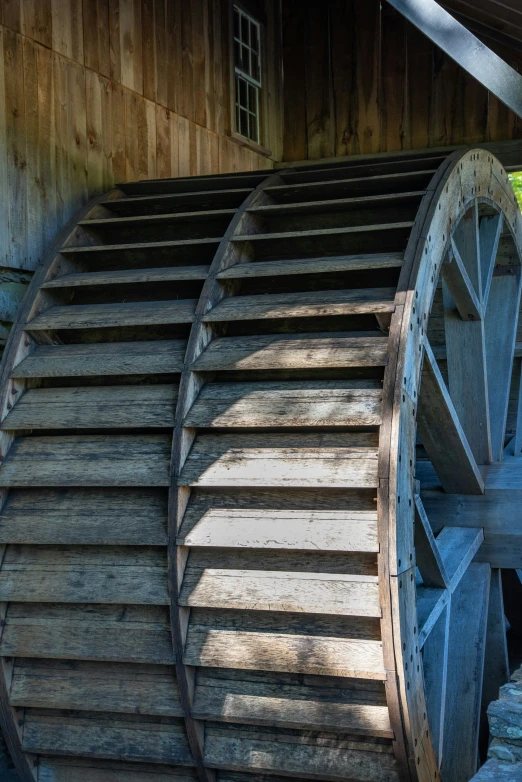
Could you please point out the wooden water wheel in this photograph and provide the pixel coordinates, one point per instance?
(215, 555)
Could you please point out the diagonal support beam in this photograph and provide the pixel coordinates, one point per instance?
(460, 286)
(427, 556)
(443, 436)
(465, 48)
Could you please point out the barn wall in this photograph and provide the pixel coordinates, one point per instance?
(94, 92)
(360, 79)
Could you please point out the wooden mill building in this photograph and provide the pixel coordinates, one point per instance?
(260, 406)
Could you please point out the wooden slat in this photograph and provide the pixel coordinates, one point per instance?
(105, 359)
(268, 520)
(105, 687)
(367, 165)
(322, 232)
(88, 460)
(133, 634)
(313, 207)
(161, 204)
(280, 704)
(134, 313)
(303, 403)
(94, 407)
(138, 248)
(285, 754)
(268, 590)
(341, 263)
(301, 305)
(286, 351)
(117, 738)
(55, 769)
(343, 460)
(466, 49)
(284, 652)
(79, 575)
(85, 517)
(193, 184)
(129, 277)
(351, 186)
(442, 434)
(146, 221)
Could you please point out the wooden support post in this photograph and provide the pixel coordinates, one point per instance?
(496, 662)
(459, 285)
(517, 440)
(435, 657)
(490, 229)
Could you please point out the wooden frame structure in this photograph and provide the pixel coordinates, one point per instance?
(219, 532)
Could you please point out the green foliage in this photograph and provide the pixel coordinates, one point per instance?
(516, 181)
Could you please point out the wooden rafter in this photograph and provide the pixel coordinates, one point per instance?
(465, 48)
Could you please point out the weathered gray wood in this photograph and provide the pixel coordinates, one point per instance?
(442, 435)
(496, 660)
(314, 460)
(301, 305)
(75, 575)
(137, 249)
(112, 633)
(427, 556)
(55, 769)
(218, 522)
(517, 440)
(134, 313)
(85, 517)
(113, 737)
(104, 687)
(467, 639)
(321, 232)
(457, 547)
(275, 702)
(274, 753)
(503, 307)
(128, 277)
(145, 221)
(460, 286)
(292, 266)
(435, 659)
(174, 202)
(88, 460)
(339, 204)
(466, 49)
(94, 407)
(490, 229)
(289, 351)
(301, 403)
(105, 358)
(312, 593)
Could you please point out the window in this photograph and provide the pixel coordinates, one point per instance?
(247, 69)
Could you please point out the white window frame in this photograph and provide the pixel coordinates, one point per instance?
(253, 85)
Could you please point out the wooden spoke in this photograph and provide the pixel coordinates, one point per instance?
(460, 286)
(490, 229)
(428, 558)
(517, 440)
(496, 663)
(435, 658)
(442, 434)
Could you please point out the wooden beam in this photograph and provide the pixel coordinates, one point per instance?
(442, 434)
(467, 635)
(496, 663)
(459, 285)
(517, 440)
(427, 555)
(435, 656)
(490, 229)
(465, 48)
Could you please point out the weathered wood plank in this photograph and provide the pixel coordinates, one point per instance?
(460, 286)
(85, 517)
(287, 351)
(344, 460)
(106, 359)
(88, 460)
(128, 277)
(302, 403)
(300, 305)
(94, 407)
(457, 547)
(55, 769)
(427, 555)
(312, 265)
(134, 313)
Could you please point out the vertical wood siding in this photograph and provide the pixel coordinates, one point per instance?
(360, 79)
(93, 92)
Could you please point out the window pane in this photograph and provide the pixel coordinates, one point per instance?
(243, 93)
(252, 99)
(245, 62)
(237, 55)
(255, 68)
(255, 37)
(244, 30)
(253, 128)
(243, 123)
(236, 23)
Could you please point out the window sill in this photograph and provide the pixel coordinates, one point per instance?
(244, 142)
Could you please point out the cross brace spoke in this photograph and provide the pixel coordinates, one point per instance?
(460, 286)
